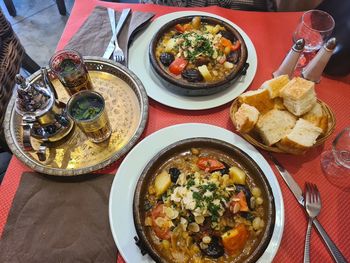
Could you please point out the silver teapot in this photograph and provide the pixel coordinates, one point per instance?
(44, 117)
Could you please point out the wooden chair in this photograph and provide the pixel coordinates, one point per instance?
(12, 57)
(12, 9)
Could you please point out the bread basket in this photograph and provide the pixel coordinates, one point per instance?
(255, 139)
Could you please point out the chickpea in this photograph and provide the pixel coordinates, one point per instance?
(256, 192)
(194, 151)
(259, 200)
(262, 223)
(256, 223)
(206, 239)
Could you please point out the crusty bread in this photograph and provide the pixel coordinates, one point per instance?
(301, 138)
(260, 99)
(245, 118)
(318, 117)
(275, 85)
(299, 96)
(274, 125)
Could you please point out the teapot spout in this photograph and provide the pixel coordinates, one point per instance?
(47, 81)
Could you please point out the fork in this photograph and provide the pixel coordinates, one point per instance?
(118, 54)
(313, 208)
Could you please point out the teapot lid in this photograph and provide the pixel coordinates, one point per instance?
(32, 99)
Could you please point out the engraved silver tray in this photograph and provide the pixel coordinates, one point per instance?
(127, 108)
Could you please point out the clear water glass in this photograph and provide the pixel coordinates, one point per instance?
(336, 162)
(315, 27)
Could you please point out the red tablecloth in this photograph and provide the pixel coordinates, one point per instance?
(271, 34)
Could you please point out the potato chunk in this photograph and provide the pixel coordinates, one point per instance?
(205, 73)
(162, 183)
(237, 175)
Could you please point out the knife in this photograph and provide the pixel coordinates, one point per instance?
(111, 45)
(298, 194)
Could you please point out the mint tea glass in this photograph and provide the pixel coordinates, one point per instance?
(68, 65)
(87, 109)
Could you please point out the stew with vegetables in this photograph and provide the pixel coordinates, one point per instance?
(198, 51)
(204, 207)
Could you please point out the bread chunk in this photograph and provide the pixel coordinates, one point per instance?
(245, 118)
(301, 138)
(275, 85)
(260, 99)
(299, 96)
(318, 117)
(278, 103)
(274, 125)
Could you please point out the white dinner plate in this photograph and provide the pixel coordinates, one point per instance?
(139, 63)
(123, 187)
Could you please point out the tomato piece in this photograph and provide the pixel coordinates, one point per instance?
(178, 65)
(242, 202)
(158, 211)
(235, 239)
(225, 42)
(179, 28)
(236, 46)
(164, 231)
(209, 164)
(187, 27)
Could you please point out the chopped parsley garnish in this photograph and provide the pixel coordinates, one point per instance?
(190, 183)
(210, 187)
(214, 209)
(195, 45)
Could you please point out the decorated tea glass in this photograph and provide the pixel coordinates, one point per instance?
(68, 66)
(87, 109)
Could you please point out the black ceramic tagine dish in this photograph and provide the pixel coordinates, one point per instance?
(198, 55)
(203, 199)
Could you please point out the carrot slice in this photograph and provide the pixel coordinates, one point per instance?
(235, 239)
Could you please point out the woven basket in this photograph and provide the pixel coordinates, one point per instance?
(255, 139)
(11, 52)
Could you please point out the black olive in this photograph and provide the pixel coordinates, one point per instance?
(247, 215)
(174, 174)
(147, 205)
(233, 57)
(246, 191)
(228, 35)
(166, 58)
(214, 249)
(191, 218)
(199, 61)
(192, 75)
(225, 170)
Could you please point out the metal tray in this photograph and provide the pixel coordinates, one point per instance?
(127, 108)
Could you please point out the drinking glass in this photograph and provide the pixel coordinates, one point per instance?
(68, 65)
(315, 27)
(336, 162)
(87, 109)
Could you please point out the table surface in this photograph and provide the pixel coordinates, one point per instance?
(271, 34)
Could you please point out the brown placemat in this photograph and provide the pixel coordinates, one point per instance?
(54, 221)
(94, 35)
